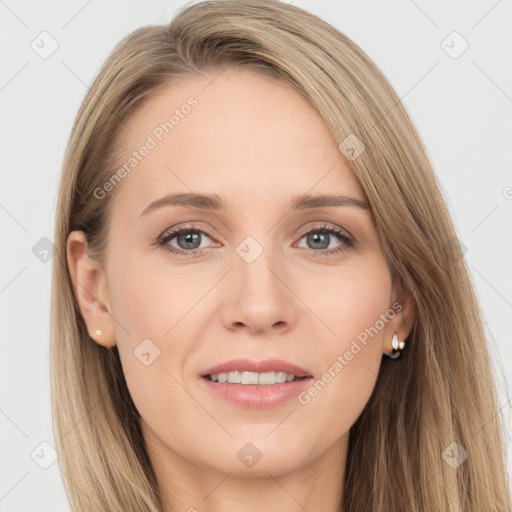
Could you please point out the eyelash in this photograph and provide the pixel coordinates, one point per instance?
(340, 235)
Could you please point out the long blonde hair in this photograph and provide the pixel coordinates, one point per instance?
(442, 390)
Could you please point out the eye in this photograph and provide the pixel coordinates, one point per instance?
(320, 237)
(188, 240)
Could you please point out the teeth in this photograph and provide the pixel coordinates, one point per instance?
(283, 377)
(234, 378)
(250, 378)
(263, 379)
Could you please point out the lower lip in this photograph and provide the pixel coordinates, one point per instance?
(257, 396)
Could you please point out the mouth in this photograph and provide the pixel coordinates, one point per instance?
(243, 386)
(250, 372)
(254, 378)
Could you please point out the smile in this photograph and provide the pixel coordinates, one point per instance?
(248, 378)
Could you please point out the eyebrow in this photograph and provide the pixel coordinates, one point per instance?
(215, 202)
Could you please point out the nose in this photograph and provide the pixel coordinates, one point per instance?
(258, 297)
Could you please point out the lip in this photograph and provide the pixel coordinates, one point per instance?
(253, 395)
(248, 365)
(256, 396)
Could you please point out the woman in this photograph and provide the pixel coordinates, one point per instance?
(206, 355)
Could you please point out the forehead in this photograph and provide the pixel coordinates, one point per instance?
(238, 133)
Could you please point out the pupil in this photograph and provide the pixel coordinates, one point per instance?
(188, 239)
(316, 237)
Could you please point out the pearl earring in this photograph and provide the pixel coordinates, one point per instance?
(397, 346)
(98, 332)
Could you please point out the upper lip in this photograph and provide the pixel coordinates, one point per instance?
(249, 365)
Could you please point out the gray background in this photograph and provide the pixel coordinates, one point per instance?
(461, 105)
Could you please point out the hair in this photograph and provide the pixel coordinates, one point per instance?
(442, 390)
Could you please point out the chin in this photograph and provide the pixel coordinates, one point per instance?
(258, 457)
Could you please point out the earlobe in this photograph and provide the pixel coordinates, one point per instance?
(89, 287)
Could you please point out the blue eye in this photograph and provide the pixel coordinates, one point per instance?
(189, 240)
(323, 235)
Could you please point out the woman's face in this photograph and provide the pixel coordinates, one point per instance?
(247, 281)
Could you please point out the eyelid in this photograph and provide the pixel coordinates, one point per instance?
(328, 227)
(191, 226)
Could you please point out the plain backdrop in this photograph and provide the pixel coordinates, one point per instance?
(459, 98)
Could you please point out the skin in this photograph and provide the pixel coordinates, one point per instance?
(256, 143)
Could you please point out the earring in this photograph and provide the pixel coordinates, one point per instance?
(97, 332)
(397, 346)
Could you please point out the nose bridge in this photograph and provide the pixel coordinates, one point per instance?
(259, 297)
(255, 270)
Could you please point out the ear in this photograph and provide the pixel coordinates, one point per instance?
(404, 304)
(90, 289)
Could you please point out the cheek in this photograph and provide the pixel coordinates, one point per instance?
(155, 308)
(351, 355)
(348, 301)
(149, 300)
